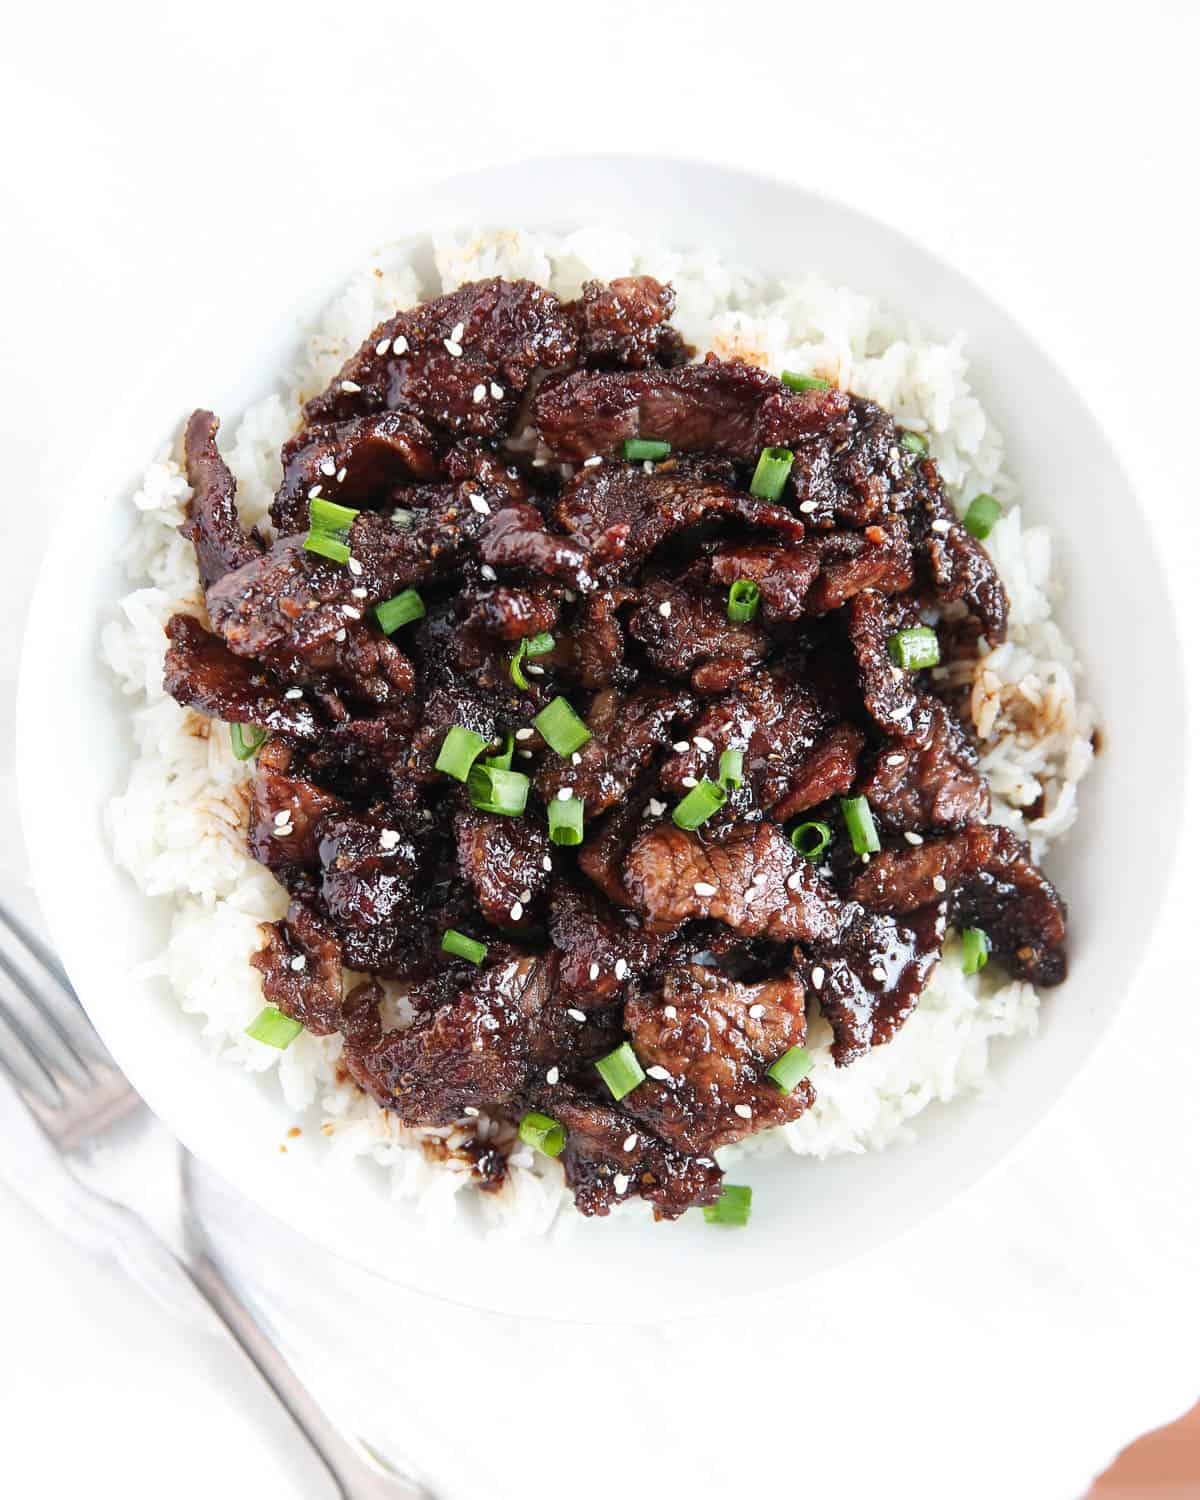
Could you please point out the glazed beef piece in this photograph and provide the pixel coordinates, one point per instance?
(286, 811)
(706, 1043)
(518, 538)
(600, 952)
(506, 862)
(783, 574)
(301, 965)
(201, 672)
(848, 562)
(624, 325)
(956, 564)
(889, 693)
(599, 640)
(512, 614)
(928, 778)
(685, 632)
(213, 526)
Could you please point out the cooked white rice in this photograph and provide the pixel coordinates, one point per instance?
(179, 827)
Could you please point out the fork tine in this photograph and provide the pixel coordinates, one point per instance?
(48, 1090)
(33, 944)
(46, 1016)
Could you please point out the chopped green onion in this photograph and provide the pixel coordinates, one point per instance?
(328, 546)
(743, 601)
(460, 749)
(704, 799)
(975, 949)
(503, 761)
(788, 1070)
(566, 821)
(245, 738)
(864, 837)
(494, 790)
(982, 514)
(731, 1208)
(915, 443)
(771, 472)
(914, 648)
(811, 839)
(324, 515)
(399, 610)
(462, 946)
(538, 645)
(796, 382)
(621, 1071)
(645, 448)
(542, 1133)
(729, 772)
(274, 1028)
(535, 645)
(561, 727)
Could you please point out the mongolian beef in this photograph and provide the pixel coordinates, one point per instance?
(596, 698)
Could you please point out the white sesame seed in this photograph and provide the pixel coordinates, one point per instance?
(516, 911)
(524, 734)
(756, 1012)
(866, 859)
(758, 880)
(329, 468)
(590, 463)
(893, 453)
(383, 346)
(659, 1072)
(808, 506)
(479, 393)
(576, 758)
(298, 963)
(539, 463)
(552, 1075)
(294, 693)
(497, 391)
(620, 968)
(688, 781)
(457, 332)
(547, 863)
(469, 1109)
(818, 977)
(341, 634)
(453, 347)
(630, 1142)
(702, 888)
(350, 388)
(793, 881)
(358, 593)
(526, 896)
(314, 492)
(701, 743)
(594, 972)
(939, 883)
(670, 1012)
(914, 838)
(356, 569)
(657, 808)
(478, 503)
(896, 760)
(341, 475)
(351, 613)
(647, 466)
(400, 344)
(534, 669)
(744, 1111)
(564, 794)
(879, 974)
(388, 838)
(281, 830)
(620, 1183)
(941, 525)
(664, 609)
(681, 747)
(576, 1015)
(488, 572)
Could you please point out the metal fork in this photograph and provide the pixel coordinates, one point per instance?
(79, 1107)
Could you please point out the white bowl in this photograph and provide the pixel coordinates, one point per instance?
(74, 746)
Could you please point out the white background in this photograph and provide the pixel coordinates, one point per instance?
(1049, 151)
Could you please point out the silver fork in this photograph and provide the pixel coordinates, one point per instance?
(80, 1106)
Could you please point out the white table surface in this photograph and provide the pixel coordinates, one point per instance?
(1049, 150)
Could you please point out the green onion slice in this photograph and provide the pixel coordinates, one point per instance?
(982, 514)
(561, 727)
(538, 645)
(811, 839)
(771, 472)
(324, 515)
(914, 648)
(743, 601)
(704, 799)
(975, 949)
(503, 761)
(542, 1133)
(327, 545)
(915, 443)
(644, 448)
(864, 836)
(729, 772)
(399, 610)
(621, 1071)
(459, 751)
(245, 739)
(494, 790)
(796, 382)
(274, 1028)
(463, 946)
(535, 645)
(566, 821)
(788, 1070)
(732, 1208)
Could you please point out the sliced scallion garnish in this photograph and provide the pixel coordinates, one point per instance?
(771, 472)
(503, 760)
(399, 610)
(324, 515)
(327, 545)
(914, 442)
(704, 799)
(982, 514)
(787, 1071)
(743, 601)
(645, 448)
(561, 727)
(542, 1133)
(732, 1208)
(494, 790)
(796, 382)
(459, 752)
(566, 820)
(245, 739)
(621, 1071)
(811, 839)
(860, 824)
(975, 949)
(274, 1028)
(914, 648)
(729, 772)
(463, 946)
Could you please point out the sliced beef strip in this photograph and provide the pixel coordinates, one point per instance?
(890, 693)
(201, 672)
(854, 472)
(353, 463)
(706, 1042)
(618, 514)
(213, 526)
(599, 639)
(507, 863)
(628, 731)
(601, 952)
(624, 325)
(870, 980)
(518, 538)
(992, 883)
(286, 811)
(828, 770)
(371, 867)
(956, 564)
(602, 855)
(929, 778)
(413, 363)
(608, 1158)
(685, 631)
(301, 965)
(878, 558)
(783, 574)
(752, 880)
(512, 614)
(715, 407)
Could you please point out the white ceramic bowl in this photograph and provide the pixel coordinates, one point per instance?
(807, 1215)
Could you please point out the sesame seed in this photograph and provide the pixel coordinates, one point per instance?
(659, 1072)
(383, 346)
(701, 743)
(350, 388)
(539, 463)
(808, 506)
(940, 525)
(516, 911)
(524, 734)
(914, 838)
(388, 838)
(758, 880)
(879, 974)
(400, 345)
(298, 963)
(341, 475)
(497, 391)
(866, 859)
(478, 503)
(670, 1012)
(629, 1142)
(895, 760)
(576, 1015)
(939, 883)
(756, 1011)
(329, 468)
(564, 794)
(547, 863)
(647, 467)
(688, 781)
(893, 453)
(702, 888)
(594, 972)
(526, 896)
(356, 568)
(793, 881)
(358, 593)
(457, 332)
(590, 463)
(744, 1111)
(533, 668)
(469, 1109)
(664, 609)
(314, 492)
(488, 572)
(281, 830)
(681, 747)
(570, 595)
(479, 393)
(341, 634)
(818, 977)
(620, 968)
(294, 693)
(657, 808)
(576, 758)
(552, 1075)
(351, 613)
(453, 347)
(620, 1183)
